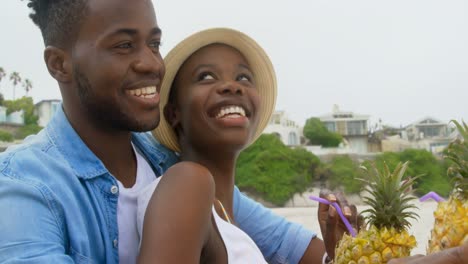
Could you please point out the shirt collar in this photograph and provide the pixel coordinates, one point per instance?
(152, 151)
(81, 159)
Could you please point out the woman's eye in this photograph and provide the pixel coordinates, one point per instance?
(205, 76)
(244, 77)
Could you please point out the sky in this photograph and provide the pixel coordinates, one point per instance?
(397, 61)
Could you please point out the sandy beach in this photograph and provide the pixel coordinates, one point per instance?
(421, 228)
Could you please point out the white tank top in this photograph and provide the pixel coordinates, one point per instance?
(240, 247)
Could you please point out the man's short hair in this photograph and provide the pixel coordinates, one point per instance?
(58, 20)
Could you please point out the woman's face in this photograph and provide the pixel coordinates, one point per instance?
(217, 102)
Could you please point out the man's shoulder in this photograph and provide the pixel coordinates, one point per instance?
(28, 159)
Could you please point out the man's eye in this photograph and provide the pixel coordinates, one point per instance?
(126, 45)
(205, 76)
(155, 44)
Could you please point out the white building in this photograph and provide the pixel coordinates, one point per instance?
(353, 127)
(16, 118)
(427, 127)
(45, 109)
(430, 134)
(3, 115)
(286, 129)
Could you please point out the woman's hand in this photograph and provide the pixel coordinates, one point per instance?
(331, 225)
(457, 255)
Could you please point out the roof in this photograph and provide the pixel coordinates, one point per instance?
(427, 121)
(338, 115)
(48, 101)
(343, 116)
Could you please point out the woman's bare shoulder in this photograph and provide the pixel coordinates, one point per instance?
(180, 208)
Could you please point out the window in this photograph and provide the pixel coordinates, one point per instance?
(429, 131)
(292, 139)
(330, 126)
(356, 128)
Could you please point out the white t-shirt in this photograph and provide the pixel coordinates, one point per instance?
(129, 237)
(239, 246)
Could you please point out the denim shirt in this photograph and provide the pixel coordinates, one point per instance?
(58, 203)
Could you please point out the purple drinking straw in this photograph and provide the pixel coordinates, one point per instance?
(431, 195)
(338, 209)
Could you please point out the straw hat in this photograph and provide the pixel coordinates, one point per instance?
(258, 60)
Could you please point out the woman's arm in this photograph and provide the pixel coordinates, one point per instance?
(280, 240)
(178, 217)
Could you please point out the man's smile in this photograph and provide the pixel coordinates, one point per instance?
(145, 92)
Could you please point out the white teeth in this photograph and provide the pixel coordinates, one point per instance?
(231, 111)
(145, 92)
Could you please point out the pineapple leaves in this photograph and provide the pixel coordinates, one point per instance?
(457, 152)
(389, 197)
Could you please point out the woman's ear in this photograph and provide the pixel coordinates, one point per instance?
(58, 63)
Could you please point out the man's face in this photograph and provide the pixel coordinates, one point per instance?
(117, 66)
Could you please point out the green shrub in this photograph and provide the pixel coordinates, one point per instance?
(422, 162)
(27, 105)
(273, 170)
(318, 134)
(27, 130)
(343, 172)
(6, 136)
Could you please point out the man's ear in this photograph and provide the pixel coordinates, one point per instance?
(58, 63)
(172, 116)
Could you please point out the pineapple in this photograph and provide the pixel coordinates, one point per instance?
(390, 208)
(451, 217)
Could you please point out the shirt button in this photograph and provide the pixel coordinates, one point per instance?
(114, 189)
(116, 243)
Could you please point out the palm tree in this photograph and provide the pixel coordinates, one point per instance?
(27, 84)
(2, 74)
(16, 78)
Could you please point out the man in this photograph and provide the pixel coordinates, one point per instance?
(68, 194)
(457, 255)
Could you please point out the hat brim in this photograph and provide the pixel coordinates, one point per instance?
(257, 58)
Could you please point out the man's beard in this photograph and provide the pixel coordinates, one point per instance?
(107, 113)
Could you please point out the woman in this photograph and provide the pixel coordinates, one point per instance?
(218, 94)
